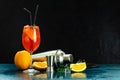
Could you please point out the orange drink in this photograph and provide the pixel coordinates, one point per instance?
(31, 38)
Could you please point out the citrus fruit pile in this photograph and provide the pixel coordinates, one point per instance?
(23, 60)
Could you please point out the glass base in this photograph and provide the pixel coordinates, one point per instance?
(31, 71)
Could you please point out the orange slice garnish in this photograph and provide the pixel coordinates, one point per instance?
(31, 31)
(28, 30)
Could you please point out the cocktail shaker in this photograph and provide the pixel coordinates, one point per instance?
(63, 59)
(47, 53)
(58, 57)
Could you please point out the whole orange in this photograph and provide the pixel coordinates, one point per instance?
(22, 59)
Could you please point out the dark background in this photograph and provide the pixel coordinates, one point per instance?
(88, 29)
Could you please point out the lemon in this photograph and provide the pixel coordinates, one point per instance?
(78, 67)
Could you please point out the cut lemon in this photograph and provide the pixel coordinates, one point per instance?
(40, 65)
(78, 67)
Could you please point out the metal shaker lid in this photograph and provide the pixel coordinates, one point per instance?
(63, 59)
(68, 57)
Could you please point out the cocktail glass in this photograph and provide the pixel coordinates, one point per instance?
(31, 40)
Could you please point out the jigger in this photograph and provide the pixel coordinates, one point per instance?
(50, 63)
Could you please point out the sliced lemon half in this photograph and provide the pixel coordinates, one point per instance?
(78, 67)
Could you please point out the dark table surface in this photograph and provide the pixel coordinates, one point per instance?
(101, 72)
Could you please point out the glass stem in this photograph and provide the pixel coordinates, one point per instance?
(31, 60)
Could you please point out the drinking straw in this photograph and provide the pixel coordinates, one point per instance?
(30, 15)
(35, 14)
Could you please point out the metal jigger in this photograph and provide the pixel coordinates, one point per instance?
(50, 62)
(50, 68)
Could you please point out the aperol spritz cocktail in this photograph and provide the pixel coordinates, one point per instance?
(31, 38)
